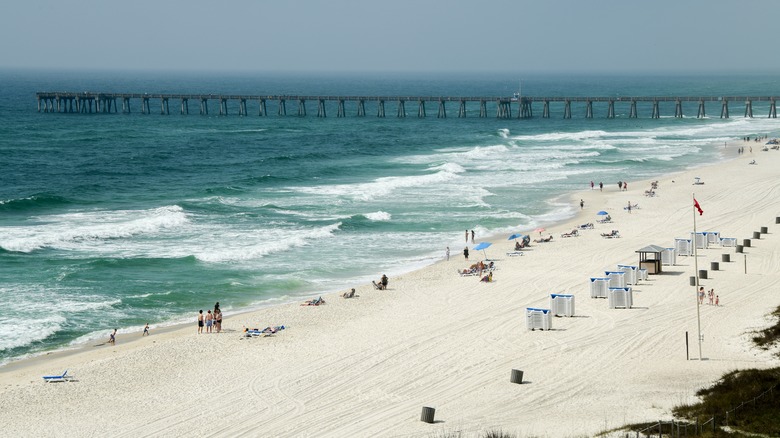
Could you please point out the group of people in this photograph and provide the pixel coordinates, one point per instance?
(713, 299)
(467, 236)
(211, 321)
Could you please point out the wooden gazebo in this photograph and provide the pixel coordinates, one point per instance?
(650, 258)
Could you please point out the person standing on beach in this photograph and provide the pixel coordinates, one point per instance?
(582, 204)
(472, 236)
(625, 186)
(591, 185)
(209, 321)
(200, 321)
(112, 338)
(146, 330)
(629, 207)
(466, 252)
(601, 186)
(701, 295)
(467, 236)
(447, 253)
(717, 300)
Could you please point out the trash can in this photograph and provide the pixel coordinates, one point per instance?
(756, 235)
(738, 248)
(764, 230)
(714, 266)
(427, 414)
(746, 243)
(725, 258)
(702, 274)
(693, 281)
(516, 377)
(777, 219)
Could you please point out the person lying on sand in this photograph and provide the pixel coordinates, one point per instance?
(314, 302)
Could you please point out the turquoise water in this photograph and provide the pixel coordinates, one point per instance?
(112, 220)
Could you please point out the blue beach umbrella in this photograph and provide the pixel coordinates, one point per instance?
(602, 213)
(482, 246)
(515, 236)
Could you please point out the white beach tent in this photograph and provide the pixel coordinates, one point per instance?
(631, 273)
(562, 304)
(669, 257)
(713, 237)
(616, 278)
(683, 247)
(700, 239)
(728, 241)
(598, 287)
(620, 297)
(538, 318)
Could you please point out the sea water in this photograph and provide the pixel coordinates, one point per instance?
(115, 220)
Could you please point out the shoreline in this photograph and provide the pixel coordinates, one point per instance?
(494, 238)
(365, 366)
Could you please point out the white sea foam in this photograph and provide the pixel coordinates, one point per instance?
(75, 230)
(378, 216)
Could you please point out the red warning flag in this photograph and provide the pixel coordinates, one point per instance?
(697, 206)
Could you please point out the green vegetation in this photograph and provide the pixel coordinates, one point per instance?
(770, 335)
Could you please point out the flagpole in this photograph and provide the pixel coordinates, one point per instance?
(696, 272)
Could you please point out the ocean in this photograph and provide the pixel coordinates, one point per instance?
(118, 220)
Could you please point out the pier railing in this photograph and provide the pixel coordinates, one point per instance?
(98, 102)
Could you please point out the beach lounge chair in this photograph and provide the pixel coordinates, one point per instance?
(544, 239)
(607, 219)
(613, 235)
(61, 378)
(514, 253)
(268, 331)
(573, 233)
(468, 273)
(588, 226)
(315, 302)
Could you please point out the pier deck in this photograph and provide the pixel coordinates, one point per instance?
(99, 102)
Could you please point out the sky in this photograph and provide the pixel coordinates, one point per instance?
(562, 36)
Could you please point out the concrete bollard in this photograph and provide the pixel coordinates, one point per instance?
(714, 266)
(738, 248)
(756, 235)
(427, 414)
(692, 280)
(777, 219)
(702, 274)
(725, 258)
(516, 377)
(746, 243)
(764, 230)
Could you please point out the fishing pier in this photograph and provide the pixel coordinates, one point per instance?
(501, 107)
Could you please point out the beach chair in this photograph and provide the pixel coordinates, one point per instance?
(468, 273)
(61, 378)
(613, 235)
(588, 226)
(514, 253)
(573, 233)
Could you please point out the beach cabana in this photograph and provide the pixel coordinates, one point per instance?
(650, 258)
(598, 287)
(631, 273)
(683, 247)
(669, 257)
(538, 318)
(616, 278)
(713, 237)
(699, 239)
(728, 241)
(620, 297)
(562, 304)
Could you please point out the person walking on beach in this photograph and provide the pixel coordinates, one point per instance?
(146, 330)
(200, 321)
(112, 338)
(472, 236)
(447, 253)
(625, 186)
(717, 300)
(601, 186)
(466, 252)
(467, 236)
(582, 204)
(591, 185)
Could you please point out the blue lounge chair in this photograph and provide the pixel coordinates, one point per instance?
(61, 378)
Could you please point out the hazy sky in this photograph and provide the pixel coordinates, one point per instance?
(393, 35)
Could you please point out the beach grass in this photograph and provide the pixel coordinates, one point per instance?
(771, 335)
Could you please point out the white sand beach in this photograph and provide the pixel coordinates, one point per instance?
(365, 367)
